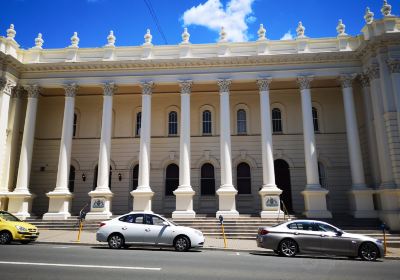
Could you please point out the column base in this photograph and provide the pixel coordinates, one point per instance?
(142, 199)
(361, 202)
(3, 200)
(59, 206)
(227, 202)
(100, 205)
(391, 219)
(184, 203)
(390, 214)
(315, 202)
(20, 204)
(270, 202)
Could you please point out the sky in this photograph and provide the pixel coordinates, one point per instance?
(57, 20)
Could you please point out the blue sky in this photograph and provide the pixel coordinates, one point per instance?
(129, 19)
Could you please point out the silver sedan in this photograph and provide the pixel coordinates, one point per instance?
(316, 237)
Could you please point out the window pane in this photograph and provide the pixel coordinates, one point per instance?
(71, 180)
(207, 122)
(207, 182)
(138, 123)
(241, 121)
(75, 124)
(173, 123)
(135, 175)
(276, 120)
(315, 119)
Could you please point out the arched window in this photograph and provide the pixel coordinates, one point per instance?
(276, 120)
(207, 122)
(315, 119)
(243, 178)
(171, 179)
(138, 123)
(241, 122)
(207, 182)
(71, 179)
(322, 174)
(96, 171)
(173, 123)
(75, 126)
(135, 176)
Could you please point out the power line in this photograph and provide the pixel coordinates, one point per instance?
(155, 19)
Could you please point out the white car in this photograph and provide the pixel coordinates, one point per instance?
(141, 228)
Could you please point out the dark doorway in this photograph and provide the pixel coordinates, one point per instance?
(282, 180)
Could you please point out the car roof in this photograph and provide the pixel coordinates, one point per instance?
(309, 221)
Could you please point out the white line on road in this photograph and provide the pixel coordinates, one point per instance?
(84, 266)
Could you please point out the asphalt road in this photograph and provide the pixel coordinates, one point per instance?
(39, 261)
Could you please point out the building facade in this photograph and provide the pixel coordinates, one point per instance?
(308, 125)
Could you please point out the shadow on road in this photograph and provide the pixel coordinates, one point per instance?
(139, 248)
(309, 257)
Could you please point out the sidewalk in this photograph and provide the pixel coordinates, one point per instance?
(237, 245)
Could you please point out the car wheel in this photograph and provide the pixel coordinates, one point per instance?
(5, 237)
(25, 241)
(116, 241)
(288, 248)
(368, 251)
(182, 244)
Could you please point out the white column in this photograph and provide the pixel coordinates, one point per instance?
(226, 192)
(20, 200)
(100, 207)
(142, 196)
(270, 194)
(184, 193)
(362, 205)
(10, 159)
(6, 86)
(60, 197)
(314, 194)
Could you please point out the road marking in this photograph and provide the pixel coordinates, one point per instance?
(84, 266)
(61, 247)
(237, 254)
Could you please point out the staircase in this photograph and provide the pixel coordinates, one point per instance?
(244, 227)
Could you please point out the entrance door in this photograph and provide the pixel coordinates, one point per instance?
(282, 180)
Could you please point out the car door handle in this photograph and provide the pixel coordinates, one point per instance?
(147, 230)
(296, 233)
(124, 228)
(323, 235)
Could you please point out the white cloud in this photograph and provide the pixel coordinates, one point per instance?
(234, 18)
(288, 36)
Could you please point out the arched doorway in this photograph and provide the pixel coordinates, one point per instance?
(282, 180)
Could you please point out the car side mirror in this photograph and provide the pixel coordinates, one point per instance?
(339, 233)
(165, 223)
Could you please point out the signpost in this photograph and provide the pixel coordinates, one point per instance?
(221, 221)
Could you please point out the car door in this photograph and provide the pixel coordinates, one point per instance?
(307, 239)
(332, 241)
(156, 232)
(132, 227)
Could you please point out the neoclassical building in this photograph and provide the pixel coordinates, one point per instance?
(311, 125)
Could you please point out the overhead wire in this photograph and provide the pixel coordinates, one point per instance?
(155, 19)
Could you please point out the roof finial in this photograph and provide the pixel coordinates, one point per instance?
(386, 9)
(341, 28)
(222, 35)
(38, 41)
(111, 39)
(147, 38)
(300, 30)
(74, 40)
(369, 16)
(185, 36)
(261, 33)
(11, 32)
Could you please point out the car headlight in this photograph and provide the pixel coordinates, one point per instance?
(20, 228)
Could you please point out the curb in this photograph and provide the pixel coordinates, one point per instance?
(204, 248)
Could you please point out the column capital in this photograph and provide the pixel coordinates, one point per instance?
(33, 91)
(18, 92)
(346, 80)
(186, 86)
(305, 82)
(147, 87)
(224, 85)
(70, 89)
(373, 72)
(364, 79)
(263, 83)
(6, 85)
(394, 65)
(109, 89)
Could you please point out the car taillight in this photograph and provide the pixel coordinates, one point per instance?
(102, 224)
(262, 231)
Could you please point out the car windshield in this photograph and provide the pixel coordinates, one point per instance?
(8, 217)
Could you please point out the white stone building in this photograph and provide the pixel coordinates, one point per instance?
(222, 128)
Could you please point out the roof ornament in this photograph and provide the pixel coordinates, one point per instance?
(369, 16)
(38, 41)
(74, 40)
(261, 33)
(11, 32)
(111, 39)
(386, 9)
(300, 31)
(341, 29)
(147, 38)
(185, 36)
(222, 35)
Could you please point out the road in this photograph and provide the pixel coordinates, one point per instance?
(40, 261)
